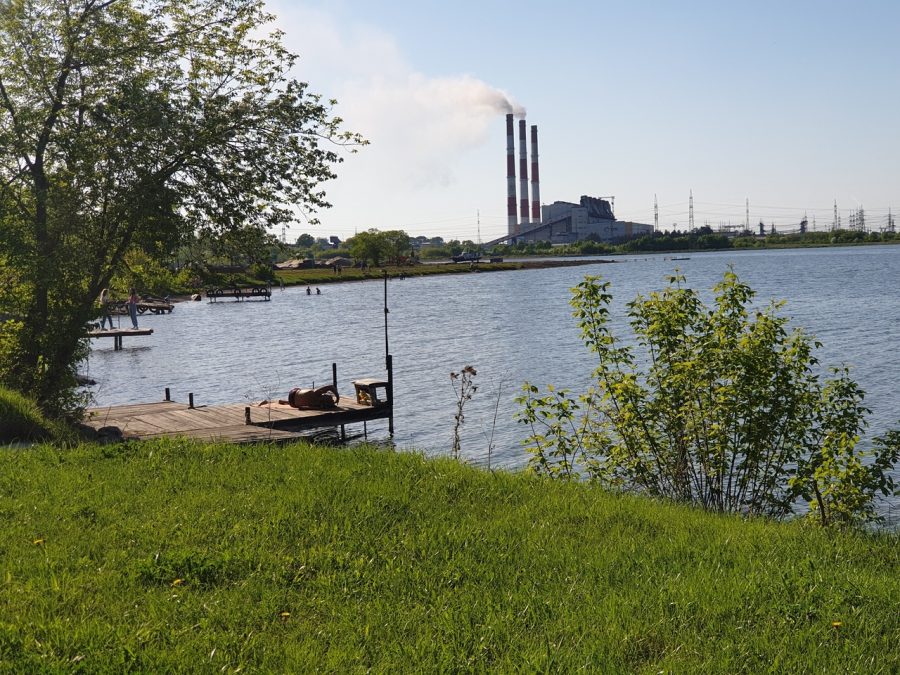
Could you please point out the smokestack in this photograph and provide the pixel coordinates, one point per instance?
(535, 180)
(523, 173)
(512, 221)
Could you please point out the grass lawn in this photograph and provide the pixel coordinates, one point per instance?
(175, 556)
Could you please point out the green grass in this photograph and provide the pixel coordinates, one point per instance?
(21, 420)
(173, 556)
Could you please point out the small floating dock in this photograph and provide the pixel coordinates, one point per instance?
(153, 306)
(118, 333)
(240, 293)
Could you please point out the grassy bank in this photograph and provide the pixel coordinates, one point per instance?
(171, 556)
(320, 276)
(21, 421)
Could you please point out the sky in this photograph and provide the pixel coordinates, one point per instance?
(791, 105)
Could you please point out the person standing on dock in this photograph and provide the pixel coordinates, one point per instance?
(132, 307)
(104, 310)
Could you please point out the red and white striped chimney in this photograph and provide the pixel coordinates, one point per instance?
(512, 226)
(523, 174)
(535, 180)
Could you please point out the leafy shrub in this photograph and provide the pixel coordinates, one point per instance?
(21, 419)
(723, 410)
(262, 272)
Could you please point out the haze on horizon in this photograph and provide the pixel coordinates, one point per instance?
(791, 106)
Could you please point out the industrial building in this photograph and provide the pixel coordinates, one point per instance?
(559, 222)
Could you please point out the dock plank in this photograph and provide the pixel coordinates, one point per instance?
(269, 420)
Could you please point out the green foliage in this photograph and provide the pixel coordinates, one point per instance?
(373, 247)
(837, 478)
(722, 409)
(464, 389)
(127, 127)
(171, 557)
(22, 420)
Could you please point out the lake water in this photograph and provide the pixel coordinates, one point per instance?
(511, 326)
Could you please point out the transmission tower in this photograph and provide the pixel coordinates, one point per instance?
(747, 216)
(691, 212)
(655, 214)
(834, 223)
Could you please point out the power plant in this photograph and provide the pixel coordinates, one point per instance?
(559, 222)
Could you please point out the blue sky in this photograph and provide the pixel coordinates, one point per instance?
(792, 105)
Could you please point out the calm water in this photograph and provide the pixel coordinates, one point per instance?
(511, 326)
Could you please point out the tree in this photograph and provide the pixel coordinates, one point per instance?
(366, 247)
(722, 409)
(305, 240)
(396, 246)
(127, 124)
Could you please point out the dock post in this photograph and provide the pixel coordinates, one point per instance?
(334, 376)
(390, 392)
(117, 343)
(247, 415)
(191, 400)
(168, 396)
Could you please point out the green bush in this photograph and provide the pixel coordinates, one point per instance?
(722, 409)
(22, 420)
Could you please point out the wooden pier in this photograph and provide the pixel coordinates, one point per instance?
(231, 423)
(152, 305)
(262, 422)
(118, 333)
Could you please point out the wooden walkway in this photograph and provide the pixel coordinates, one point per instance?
(230, 423)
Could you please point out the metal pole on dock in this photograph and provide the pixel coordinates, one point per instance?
(390, 393)
(388, 360)
(386, 311)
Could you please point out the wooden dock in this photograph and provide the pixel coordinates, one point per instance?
(118, 333)
(231, 423)
(240, 293)
(154, 306)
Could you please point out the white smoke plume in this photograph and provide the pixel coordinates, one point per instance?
(419, 125)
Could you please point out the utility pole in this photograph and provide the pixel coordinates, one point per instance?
(834, 223)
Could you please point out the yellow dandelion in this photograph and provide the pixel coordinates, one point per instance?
(837, 624)
(38, 542)
(284, 616)
(178, 582)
